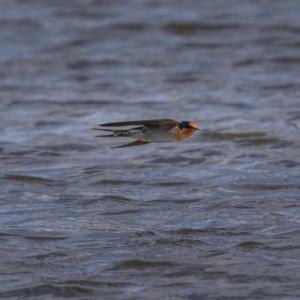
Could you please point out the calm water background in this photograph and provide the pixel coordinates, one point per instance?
(214, 217)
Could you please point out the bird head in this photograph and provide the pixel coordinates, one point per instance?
(186, 129)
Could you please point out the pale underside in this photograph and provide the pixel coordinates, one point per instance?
(154, 134)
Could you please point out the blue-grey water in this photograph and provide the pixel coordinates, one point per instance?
(216, 216)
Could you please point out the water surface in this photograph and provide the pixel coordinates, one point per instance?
(213, 217)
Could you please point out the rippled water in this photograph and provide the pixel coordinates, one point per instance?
(214, 217)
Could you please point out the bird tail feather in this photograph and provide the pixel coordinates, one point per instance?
(115, 133)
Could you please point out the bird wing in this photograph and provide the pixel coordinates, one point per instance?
(154, 122)
(135, 143)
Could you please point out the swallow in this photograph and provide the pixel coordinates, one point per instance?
(151, 131)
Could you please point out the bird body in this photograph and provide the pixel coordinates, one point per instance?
(151, 131)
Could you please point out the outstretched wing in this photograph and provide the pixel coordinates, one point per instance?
(135, 143)
(144, 122)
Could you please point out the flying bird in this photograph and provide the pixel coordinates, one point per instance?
(151, 131)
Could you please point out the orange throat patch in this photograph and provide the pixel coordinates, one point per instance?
(184, 133)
